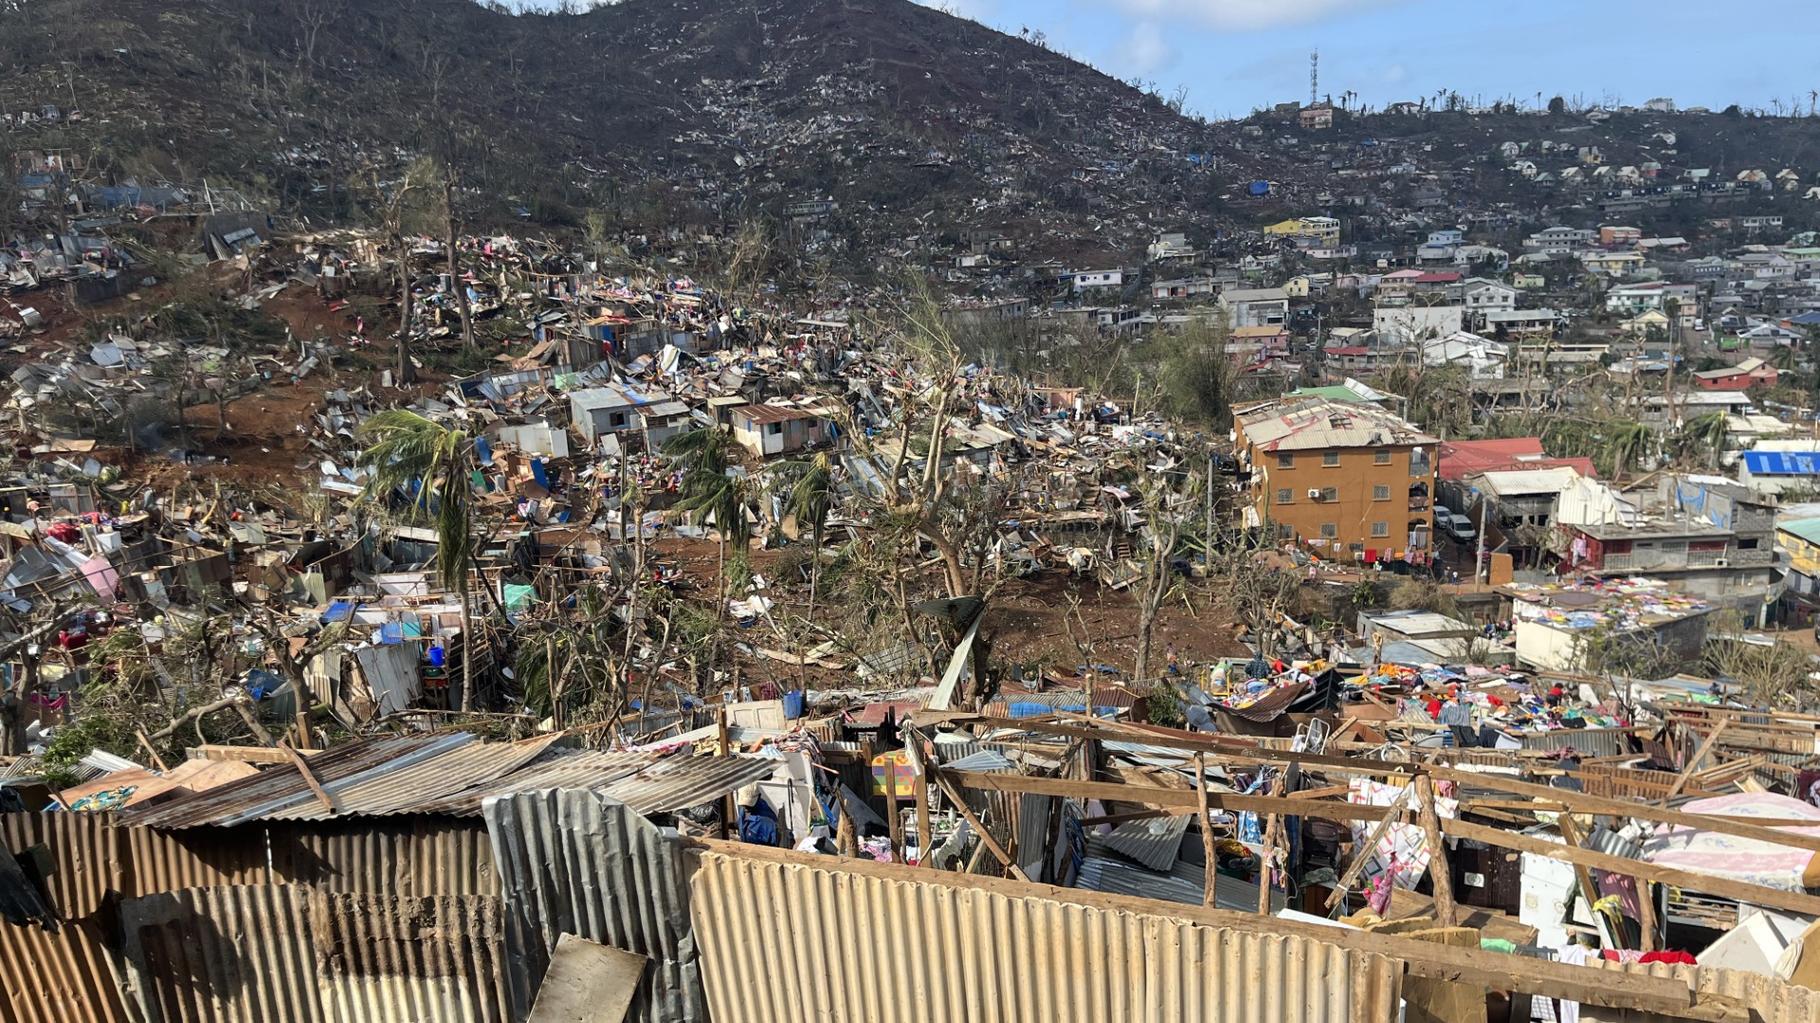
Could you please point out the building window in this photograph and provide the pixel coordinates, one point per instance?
(774, 428)
(1380, 529)
(1380, 493)
(1356, 548)
(1330, 493)
(1284, 531)
(1286, 496)
(1329, 531)
(1748, 545)
(1330, 458)
(1381, 456)
(1285, 460)
(617, 419)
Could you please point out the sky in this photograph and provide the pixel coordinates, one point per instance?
(1236, 55)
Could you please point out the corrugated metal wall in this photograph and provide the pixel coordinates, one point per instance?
(58, 978)
(292, 954)
(88, 856)
(784, 940)
(400, 856)
(576, 862)
(74, 975)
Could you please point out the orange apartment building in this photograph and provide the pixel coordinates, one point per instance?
(1348, 481)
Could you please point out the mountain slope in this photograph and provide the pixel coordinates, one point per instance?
(904, 115)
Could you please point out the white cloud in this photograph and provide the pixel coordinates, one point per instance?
(1248, 14)
(1145, 51)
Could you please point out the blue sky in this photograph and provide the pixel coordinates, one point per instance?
(1234, 55)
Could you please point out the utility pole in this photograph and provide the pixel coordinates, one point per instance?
(1479, 574)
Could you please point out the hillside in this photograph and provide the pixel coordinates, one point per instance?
(705, 109)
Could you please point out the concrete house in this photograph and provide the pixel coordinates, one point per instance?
(771, 430)
(624, 411)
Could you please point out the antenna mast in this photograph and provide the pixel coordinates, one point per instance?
(1314, 77)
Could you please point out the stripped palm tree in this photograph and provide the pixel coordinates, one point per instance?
(430, 464)
(809, 501)
(708, 491)
(1625, 444)
(1704, 434)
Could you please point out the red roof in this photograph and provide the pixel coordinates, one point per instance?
(1461, 458)
(1349, 350)
(1438, 277)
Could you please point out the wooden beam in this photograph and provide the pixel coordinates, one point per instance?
(1161, 797)
(925, 833)
(308, 778)
(1445, 913)
(1774, 898)
(246, 754)
(986, 839)
(1570, 835)
(1693, 765)
(1580, 802)
(1363, 854)
(894, 822)
(1270, 844)
(1210, 873)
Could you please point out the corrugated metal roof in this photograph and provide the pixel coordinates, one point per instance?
(1770, 1000)
(1782, 463)
(282, 786)
(576, 862)
(782, 938)
(452, 774)
(1155, 843)
(1185, 883)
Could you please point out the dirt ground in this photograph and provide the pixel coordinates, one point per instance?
(1050, 621)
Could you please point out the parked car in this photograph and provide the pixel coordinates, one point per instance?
(1460, 528)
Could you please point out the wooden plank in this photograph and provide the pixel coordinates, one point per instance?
(1445, 913)
(308, 778)
(1210, 873)
(1793, 902)
(246, 754)
(966, 812)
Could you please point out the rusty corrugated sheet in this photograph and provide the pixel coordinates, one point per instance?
(791, 940)
(409, 788)
(58, 978)
(1770, 1000)
(273, 790)
(573, 861)
(294, 954)
(417, 856)
(391, 959)
(229, 954)
(168, 861)
(88, 856)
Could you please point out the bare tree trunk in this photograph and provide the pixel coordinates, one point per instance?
(407, 373)
(468, 645)
(455, 284)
